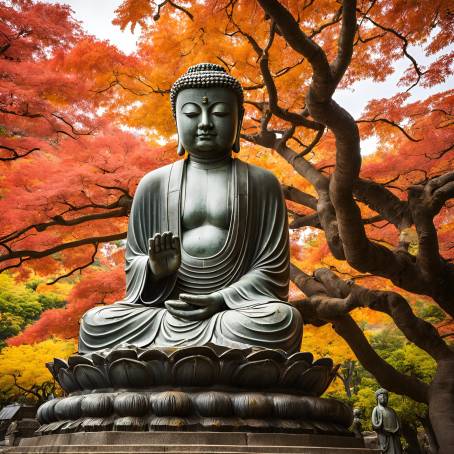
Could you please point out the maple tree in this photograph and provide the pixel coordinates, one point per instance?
(24, 372)
(380, 224)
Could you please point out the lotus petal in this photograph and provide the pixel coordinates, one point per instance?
(263, 373)
(97, 424)
(129, 373)
(171, 403)
(252, 405)
(153, 355)
(214, 403)
(326, 362)
(275, 355)
(121, 353)
(301, 356)
(60, 364)
(293, 372)
(98, 360)
(202, 351)
(313, 381)
(67, 381)
(69, 408)
(157, 364)
(235, 354)
(218, 349)
(97, 405)
(166, 423)
(131, 404)
(195, 370)
(287, 406)
(89, 377)
(75, 360)
(46, 412)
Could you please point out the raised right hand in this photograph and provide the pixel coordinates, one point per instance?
(164, 255)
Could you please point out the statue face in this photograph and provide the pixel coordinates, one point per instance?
(207, 121)
(383, 399)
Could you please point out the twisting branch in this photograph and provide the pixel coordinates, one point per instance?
(300, 42)
(26, 254)
(61, 221)
(418, 71)
(79, 268)
(262, 54)
(380, 199)
(361, 253)
(330, 299)
(174, 5)
(15, 154)
(392, 123)
(295, 195)
(425, 202)
(345, 43)
(117, 82)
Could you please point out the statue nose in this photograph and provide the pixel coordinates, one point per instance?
(205, 122)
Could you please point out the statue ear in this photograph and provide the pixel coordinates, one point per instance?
(180, 150)
(236, 144)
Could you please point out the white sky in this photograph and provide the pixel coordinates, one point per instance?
(97, 15)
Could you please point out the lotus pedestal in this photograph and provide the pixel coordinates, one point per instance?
(194, 399)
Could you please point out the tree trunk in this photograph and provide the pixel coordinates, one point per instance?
(411, 437)
(441, 405)
(432, 447)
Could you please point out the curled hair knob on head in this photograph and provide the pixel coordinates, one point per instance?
(206, 75)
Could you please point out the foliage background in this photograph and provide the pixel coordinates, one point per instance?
(81, 122)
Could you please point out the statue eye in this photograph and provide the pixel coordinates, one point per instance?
(220, 110)
(191, 114)
(190, 110)
(220, 114)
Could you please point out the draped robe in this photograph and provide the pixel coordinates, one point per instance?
(386, 423)
(251, 271)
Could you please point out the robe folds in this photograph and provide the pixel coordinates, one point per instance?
(251, 271)
(386, 423)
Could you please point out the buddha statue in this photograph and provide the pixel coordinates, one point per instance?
(207, 251)
(386, 423)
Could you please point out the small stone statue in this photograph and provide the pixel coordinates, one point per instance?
(207, 253)
(357, 427)
(386, 423)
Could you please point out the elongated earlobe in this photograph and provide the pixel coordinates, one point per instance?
(236, 144)
(180, 150)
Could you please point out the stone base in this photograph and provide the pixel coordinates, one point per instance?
(191, 442)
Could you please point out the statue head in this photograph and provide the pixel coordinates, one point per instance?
(382, 396)
(207, 104)
(357, 413)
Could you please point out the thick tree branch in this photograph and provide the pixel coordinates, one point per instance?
(295, 195)
(386, 375)
(61, 221)
(346, 38)
(334, 308)
(301, 43)
(383, 201)
(27, 254)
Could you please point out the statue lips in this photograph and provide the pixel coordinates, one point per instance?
(206, 137)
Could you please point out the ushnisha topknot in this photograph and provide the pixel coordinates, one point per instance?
(206, 75)
(381, 391)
